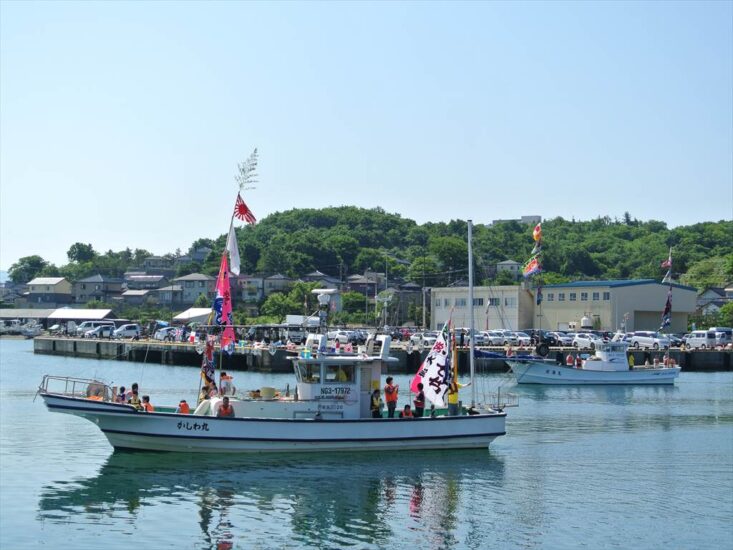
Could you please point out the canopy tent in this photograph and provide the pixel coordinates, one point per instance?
(198, 314)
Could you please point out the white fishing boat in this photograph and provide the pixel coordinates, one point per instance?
(329, 411)
(608, 365)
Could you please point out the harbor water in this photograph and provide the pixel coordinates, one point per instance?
(580, 467)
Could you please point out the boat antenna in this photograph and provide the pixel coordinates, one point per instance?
(472, 360)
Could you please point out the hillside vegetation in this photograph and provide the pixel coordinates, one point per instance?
(341, 241)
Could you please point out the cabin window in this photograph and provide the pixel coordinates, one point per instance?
(583, 296)
(309, 373)
(340, 374)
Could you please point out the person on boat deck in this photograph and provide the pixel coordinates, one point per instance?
(341, 375)
(578, 362)
(183, 407)
(205, 392)
(135, 400)
(631, 361)
(406, 412)
(390, 395)
(453, 396)
(121, 397)
(419, 401)
(147, 405)
(377, 405)
(225, 410)
(225, 384)
(132, 390)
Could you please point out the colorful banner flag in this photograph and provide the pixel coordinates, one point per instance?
(667, 313)
(531, 267)
(242, 211)
(537, 233)
(233, 249)
(223, 303)
(207, 362)
(436, 373)
(667, 264)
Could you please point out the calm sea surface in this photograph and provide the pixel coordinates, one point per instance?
(635, 467)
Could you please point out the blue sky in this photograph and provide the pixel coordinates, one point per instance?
(121, 124)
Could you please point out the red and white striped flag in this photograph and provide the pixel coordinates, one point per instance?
(242, 211)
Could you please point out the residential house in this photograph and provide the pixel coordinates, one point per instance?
(511, 266)
(138, 280)
(194, 285)
(250, 288)
(48, 292)
(139, 297)
(97, 287)
(277, 283)
(171, 295)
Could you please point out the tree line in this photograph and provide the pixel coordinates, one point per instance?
(342, 241)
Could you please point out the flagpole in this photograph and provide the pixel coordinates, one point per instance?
(471, 342)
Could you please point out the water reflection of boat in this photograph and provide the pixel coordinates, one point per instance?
(327, 491)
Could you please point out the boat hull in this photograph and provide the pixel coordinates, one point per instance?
(126, 428)
(542, 372)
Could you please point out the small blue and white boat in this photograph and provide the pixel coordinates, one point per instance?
(609, 365)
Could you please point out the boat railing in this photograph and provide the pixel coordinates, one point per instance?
(68, 386)
(500, 400)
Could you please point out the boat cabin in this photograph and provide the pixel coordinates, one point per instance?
(609, 356)
(328, 386)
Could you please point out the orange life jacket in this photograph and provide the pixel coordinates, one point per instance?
(226, 411)
(390, 393)
(148, 407)
(184, 408)
(406, 414)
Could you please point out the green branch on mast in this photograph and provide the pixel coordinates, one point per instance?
(247, 175)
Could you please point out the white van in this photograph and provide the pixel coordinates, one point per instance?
(723, 336)
(86, 326)
(701, 339)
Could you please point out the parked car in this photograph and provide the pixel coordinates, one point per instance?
(131, 330)
(465, 332)
(539, 336)
(562, 339)
(493, 337)
(167, 334)
(425, 339)
(102, 331)
(674, 340)
(341, 335)
(701, 339)
(522, 338)
(586, 340)
(86, 326)
(648, 339)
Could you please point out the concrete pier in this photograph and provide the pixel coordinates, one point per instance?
(261, 360)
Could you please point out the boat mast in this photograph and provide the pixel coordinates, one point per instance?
(470, 309)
